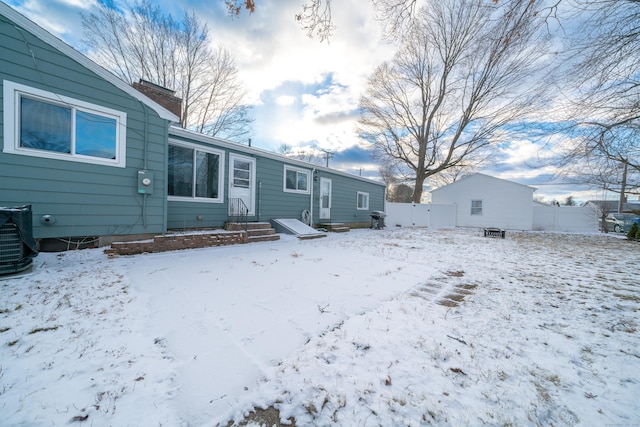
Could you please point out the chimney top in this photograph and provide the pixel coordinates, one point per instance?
(161, 95)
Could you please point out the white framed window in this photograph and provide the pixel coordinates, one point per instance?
(39, 123)
(363, 201)
(195, 173)
(476, 207)
(296, 180)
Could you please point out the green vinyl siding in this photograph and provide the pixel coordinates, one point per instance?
(344, 198)
(84, 199)
(277, 203)
(272, 201)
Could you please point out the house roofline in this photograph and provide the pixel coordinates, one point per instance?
(63, 47)
(185, 133)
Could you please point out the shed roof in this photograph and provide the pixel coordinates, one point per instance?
(484, 176)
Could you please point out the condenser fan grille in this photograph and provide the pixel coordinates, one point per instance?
(11, 249)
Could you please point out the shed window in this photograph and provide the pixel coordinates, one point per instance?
(54, 126)
(194, 173)
(363, 201)
(476, 207)
(296, 180)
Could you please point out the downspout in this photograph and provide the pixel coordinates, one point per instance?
(259, 196)
(144, 165)
(313, 180)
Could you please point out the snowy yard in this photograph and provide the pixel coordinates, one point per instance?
(367, 328)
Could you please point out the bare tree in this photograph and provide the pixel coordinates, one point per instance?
(399, 193)
(459, 79)
(144, 43)
(603, 91)
(397, 17)
(601, 159)
(316, 20)
(221, 109)
(236, 6)
(308, 155)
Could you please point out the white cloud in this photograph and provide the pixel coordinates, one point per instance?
(271, 50)
(273, 56)
(285, 100)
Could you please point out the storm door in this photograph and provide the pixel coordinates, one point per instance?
(325, 198)
(242, 178)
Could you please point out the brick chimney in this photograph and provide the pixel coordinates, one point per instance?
(163, 96)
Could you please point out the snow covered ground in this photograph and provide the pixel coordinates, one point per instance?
(394, 327)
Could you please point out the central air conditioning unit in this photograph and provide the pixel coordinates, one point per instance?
(17, 245)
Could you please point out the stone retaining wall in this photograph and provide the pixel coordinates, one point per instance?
(174, 242)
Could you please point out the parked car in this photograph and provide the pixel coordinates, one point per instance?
(620, 223)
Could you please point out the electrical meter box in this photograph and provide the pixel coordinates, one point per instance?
(145, 182)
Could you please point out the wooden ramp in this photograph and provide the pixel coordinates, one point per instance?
(297, 228)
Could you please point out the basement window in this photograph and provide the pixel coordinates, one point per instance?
(44, 124)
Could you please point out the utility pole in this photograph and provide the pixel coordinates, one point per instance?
(360, 171)
(623, 187)
(327, 155)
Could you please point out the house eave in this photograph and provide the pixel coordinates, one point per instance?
(185, 133)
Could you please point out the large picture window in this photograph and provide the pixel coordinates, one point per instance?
(194, 173)
(296, 180)
(43, 124)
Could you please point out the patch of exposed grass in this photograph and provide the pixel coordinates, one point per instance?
(459, 273)
(628, 297)
(46, 329)
(269, 417)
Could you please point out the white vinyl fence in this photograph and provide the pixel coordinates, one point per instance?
(576, 219)
(420, 215)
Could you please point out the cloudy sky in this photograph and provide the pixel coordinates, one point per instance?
(305, 93)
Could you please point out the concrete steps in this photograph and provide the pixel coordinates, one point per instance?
(256, 231)
(335, 227)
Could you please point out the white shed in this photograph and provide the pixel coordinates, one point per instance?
(485, 201)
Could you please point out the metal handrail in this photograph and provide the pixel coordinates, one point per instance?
(238, 211)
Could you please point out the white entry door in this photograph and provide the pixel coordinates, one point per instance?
(325, 198)
(242, 179)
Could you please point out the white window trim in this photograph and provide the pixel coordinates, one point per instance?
(197, 147)
(298, 170)
(481, 207)
(11, 100)
(366, 208)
